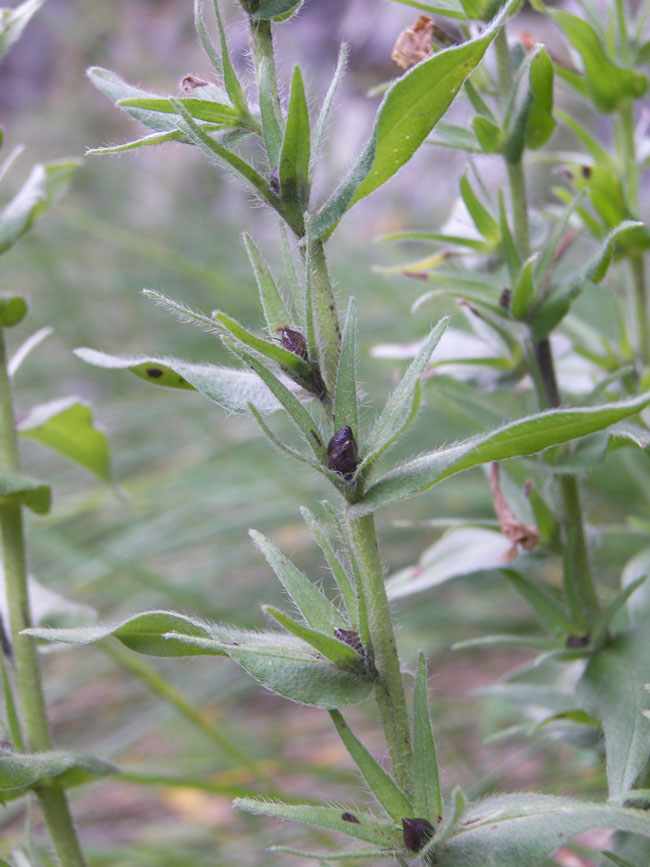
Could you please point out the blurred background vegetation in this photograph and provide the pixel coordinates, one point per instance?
(194, 480)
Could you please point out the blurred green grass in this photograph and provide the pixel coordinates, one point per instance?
(196, 480)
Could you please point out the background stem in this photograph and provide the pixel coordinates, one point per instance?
(389, 691)
(28, 678)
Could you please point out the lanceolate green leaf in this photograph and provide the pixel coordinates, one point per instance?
(275, 312)
(316, 608)
(522, 437)
(390, 423)
(156, 138)
(289, 361)
(295, 150)
(346, 410)
(540, 118)
(342, 655)
(201, 109)
(67, 426)
(326, 108)
(408, 113)
(229, 388)
(517, 829)
(428, 802)
(348, 592)
(116, 89)
(389, 795)
(348, 821)
(612, 689)
(547, 609)
(483, 220)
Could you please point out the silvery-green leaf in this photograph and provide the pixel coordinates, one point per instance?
(346, 409)
(13, 22)
(231, 389)
(18, 772)
(522, 437)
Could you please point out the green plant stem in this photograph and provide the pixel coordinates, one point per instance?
(637, 266)
(327, 332)
(28, 677)
(579, 584)
(141, 669)
(389, 691)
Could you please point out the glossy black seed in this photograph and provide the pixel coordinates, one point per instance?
(349, 817)
(416, 833)
(154, 372)
(294, 341)
(342, 454)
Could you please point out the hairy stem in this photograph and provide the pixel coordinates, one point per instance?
(389, 691)
(578, 581)
(28, 677)
(327, 332)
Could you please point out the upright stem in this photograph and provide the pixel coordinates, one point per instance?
(327, 333)
(28, 678)
(389, 692)
(578, 581)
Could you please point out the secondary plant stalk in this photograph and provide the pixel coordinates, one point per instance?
(579, 584)
(28, 678)
(389, 691)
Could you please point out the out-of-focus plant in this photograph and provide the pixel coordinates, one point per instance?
(333, 653)
(28, 761)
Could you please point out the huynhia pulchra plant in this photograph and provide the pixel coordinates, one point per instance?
(331, 653)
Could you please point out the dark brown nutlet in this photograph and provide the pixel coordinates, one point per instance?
(274, 182)
(294, 341)
(342, 454)
(350, 817)
(351, 638)
(577, 640)
(416, 833)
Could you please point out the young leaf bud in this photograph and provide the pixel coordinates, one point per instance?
(342, 454)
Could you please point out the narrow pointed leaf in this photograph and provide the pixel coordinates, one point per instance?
(346, 409)
(116, 89)
(270, 111)
(314, 606)
(145, 633)
(612, 689)
(221, 62)
(409, 111)
(342, 655)
(19, 773)
(156, 138)
(366, 827)
(522, 828)
(606, 616)
(320, 129)
(483, 219)
(284, 447)
(524, 292)
(13, 22)
(296, 411)
(229, 388)
(543, 604)
(390, 424)
(324, 858)
(541, 122)
(18, 490)
(385, 790)
(522, 437)
(295, 150)
(289, 361)
(66, 425)
(348, 592)
(510, 252)
(275, 311)
(201, 109)
(426, 781)
(597, 268)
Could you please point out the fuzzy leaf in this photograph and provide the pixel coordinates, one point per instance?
(409, 111)
(144, 633)
(342, 655)
(21, 490)
(19, 773)
(275, 311)
(221, 62)
(201, 109)
(66, 425)
(391, 422)
(547, 609)
(428, 802)
(482, 218)
(346, 409)
(155, 138)
(348, 593)
(385, 790)
(288, 361)
(522, 437)
(326, 107)
(116, 89)
(314, 606)
(46, 182)
(516, 829)
(612, 689)
(277, 10)
(524, 290)
(231, 389)
(365, 827)
(541, 122)
(295, 150)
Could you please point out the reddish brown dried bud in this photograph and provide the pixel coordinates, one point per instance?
(190, 82)
(342, 454)
(416, 833)
(351, 638)
(414, 43)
